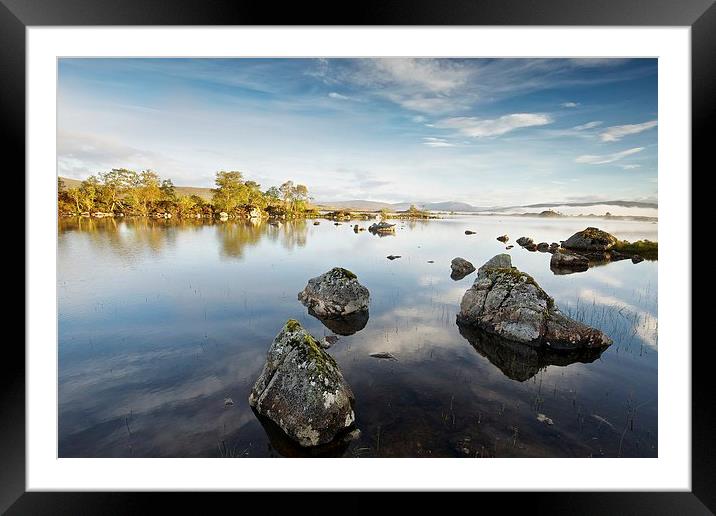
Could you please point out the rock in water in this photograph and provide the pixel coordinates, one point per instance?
(460, 268)
(523, 241)
(636, 259)
(381, 227)
(543, 247)
(335, 294)
(510, 303)
(591, 239)
(569, 261)
(302, 390)
(469, 232)
(503, 238)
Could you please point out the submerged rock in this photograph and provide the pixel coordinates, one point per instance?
(569, 261)
(460, 268)
(302, 390)
(334, 294)
(510, 303)
(591, 239)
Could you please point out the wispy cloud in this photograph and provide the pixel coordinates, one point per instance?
(437, 142)
(569, 104)
(630, 166)
(591, 159)
(617, 132)
(480, 128)
(338, 96)
(588, 125)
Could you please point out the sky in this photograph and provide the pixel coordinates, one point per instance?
(489, 132)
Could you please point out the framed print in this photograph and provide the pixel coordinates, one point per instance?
(418, 249)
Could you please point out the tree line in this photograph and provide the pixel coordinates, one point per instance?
(127, 192)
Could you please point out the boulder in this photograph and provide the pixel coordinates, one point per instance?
(335, 294)
(636, 259)
(510, 303)
(254, 213)
(469, 232)
(572, 262)
(503, 238)
(382, 227)
(531, 246)
(591, 239)
(316, 222)
(223, 215)
(302, 390)
(553, 247)
(460, 268)
(523, 241)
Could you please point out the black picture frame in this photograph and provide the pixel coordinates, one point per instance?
(17, 15)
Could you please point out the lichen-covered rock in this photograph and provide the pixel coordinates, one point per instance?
(591, 239)
(575, 262)
(510, 303)
(460, 268)
(335, 294)
(302, 390)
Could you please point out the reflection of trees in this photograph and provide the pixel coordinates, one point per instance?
(294, 234)
(520, 361)
(234, 237)
(122, 237)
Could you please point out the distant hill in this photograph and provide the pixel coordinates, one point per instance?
(204, 193)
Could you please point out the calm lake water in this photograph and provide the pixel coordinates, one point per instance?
(160, 322)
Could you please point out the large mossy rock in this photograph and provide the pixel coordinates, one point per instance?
(336, 293)
(510, 303)
(591, 239)
(302, 390)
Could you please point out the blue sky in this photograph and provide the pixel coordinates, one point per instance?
(485, 131)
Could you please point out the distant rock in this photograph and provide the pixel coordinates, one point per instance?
(468, 232)
(503, 238)
(636, 259)
(316, 222)
(335, 293)
(568, 261)
(223, 215)
(531, 246)
(523, 241)
(509, 247)
(511, 304)
(460, 268)
(591, 240)
(381, 227)
(553, 247)
(543, 247)
(393, 257)
(302, 390)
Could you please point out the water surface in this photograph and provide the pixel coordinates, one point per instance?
(161, 321)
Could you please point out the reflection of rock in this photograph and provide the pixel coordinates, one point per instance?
(460, 268)
(567, 263)
(335, 293)
(302, 390)
(518, 361)
(590, 240)
(286, 447)
(510, 303)
(344, 325)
